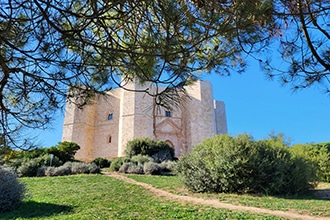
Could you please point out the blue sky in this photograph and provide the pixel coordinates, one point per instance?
(256, 106)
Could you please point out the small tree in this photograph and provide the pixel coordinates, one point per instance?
(65, 151)
(158, 150)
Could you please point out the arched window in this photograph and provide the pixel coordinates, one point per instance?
(109, 139)
(110, 116)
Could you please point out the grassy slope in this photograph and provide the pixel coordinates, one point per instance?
(309, 205)
(102, 197)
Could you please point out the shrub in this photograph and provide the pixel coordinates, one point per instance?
(116, 163)
(42, 171)
(79, 168)
(101, 162)
(242, 165)
(65, 151)
(71, 168)
(152, 168)
(28, 168)
(141, 159)
(63, 170)
(124, 167)
(318, 157)
(168, 165)
(11, 191)
(49, 171)
(158, 150)
(135, 169)
(131, 168)
(93, 168)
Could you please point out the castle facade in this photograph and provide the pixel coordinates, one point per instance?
(103, 128)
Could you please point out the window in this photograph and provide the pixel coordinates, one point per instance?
(110, 116)
(109, 139)
(167, 113)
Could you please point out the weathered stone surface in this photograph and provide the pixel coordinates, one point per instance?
(101, 135)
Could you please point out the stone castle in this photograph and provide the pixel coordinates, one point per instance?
(103, 128)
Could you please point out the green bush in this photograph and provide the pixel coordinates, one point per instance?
(65, 151)
(135, 169)
(131, 168)
(71, 168)
(168, 165)
(11, 191)
(318, 157)
(101, 162)
(158, 150)
(141, 159)
(152, 168)
(243, 165)
(116, 163)
(30, 167)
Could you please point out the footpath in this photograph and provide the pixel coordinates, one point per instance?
(215, 203)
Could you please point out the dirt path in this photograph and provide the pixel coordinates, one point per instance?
(215, 203)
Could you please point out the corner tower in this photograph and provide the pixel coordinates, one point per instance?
(135, 114)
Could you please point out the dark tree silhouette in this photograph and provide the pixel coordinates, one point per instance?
(57, 50)
(304, 43)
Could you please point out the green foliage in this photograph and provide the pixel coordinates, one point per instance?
(243, 165)
(168, 166)
(11, 191)
(27, 167)
(158, 150)
(318, 156)
(71, 168)
(118, 162)
(141, 159)
(152, 168)
(131, 168)
(65, 151)
(102, 162)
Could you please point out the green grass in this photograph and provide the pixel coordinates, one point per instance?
(309, 205)
(103, 197)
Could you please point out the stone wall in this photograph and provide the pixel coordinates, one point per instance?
(198, 117)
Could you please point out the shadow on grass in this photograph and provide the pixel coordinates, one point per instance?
(320, 194)
(31, 209)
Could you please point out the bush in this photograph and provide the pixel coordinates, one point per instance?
(63, 170)
(11, 191)
(101, 162)
(30, 167)
(158, 150)
(71, 168)
(135, 169)
(131, 168)
(317, 156)
(242, 165)
(168, 166)
(124, 167)
(141, 159)
(116, 163)
(152, 168)
(79, 168)
(42, 171)
(65, 151)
